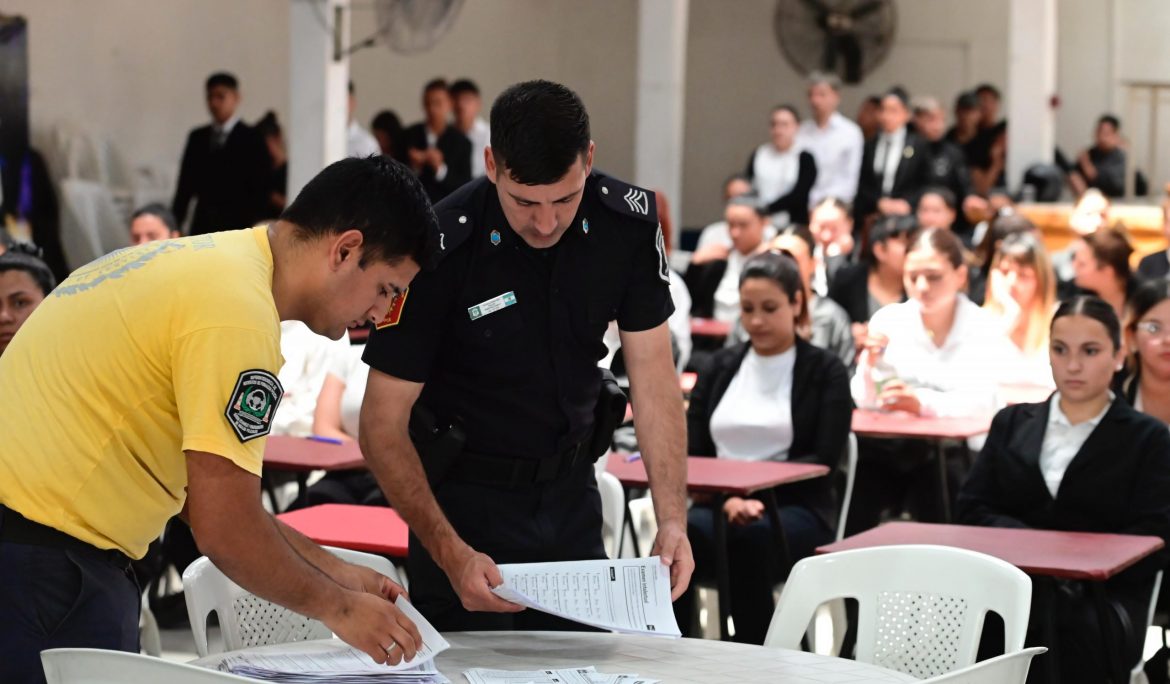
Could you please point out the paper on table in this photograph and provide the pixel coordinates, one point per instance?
(625, 595)
(344, 660)
(577, 675)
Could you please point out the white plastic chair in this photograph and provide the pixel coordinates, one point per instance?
(95, 666)
(613, 506)
(1010, 668)
(920, 608)
(246, 620)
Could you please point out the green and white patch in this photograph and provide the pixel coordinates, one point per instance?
(491, 306)
(253, 404)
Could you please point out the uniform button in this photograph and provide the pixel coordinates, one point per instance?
(487, 332)
(463, 219)
(604, 190)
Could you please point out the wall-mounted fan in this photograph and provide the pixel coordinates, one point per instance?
(849, 38)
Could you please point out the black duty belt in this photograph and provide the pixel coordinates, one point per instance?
(503, 471)
(17, 529)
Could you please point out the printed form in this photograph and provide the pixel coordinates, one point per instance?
(625, 595)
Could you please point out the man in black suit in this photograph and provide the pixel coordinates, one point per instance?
(895, 165)
(225, 166)
(436, 150)
(948, 166)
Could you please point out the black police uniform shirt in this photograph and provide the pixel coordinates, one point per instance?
(506, 338)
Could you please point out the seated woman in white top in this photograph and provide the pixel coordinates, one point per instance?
(1081, 462)
(775, 397)
(936, 354)
(1021, 292)
(1147, 384)
(339, 408)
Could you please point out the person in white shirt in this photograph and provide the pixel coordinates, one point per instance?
(716, 233)
(836, 143)
(772, 398)
(465, 97)
(713, 277)
(1082, 461)
(1021, 292)
(359, 142)
(937, 354)
(831, 224)
(781, 173)
(306, 359)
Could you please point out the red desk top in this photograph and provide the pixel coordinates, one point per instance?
(298, 454)
(720, 475)
(1071, 555)
(376, 529)
(709, 327)
(900, 424)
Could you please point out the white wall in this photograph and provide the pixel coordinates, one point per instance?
(133, 71)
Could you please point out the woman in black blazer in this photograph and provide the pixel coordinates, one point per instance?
(730, 416)
(795, 199)
(1082, 461)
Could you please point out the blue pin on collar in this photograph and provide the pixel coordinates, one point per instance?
(495, 237)
(585, 225)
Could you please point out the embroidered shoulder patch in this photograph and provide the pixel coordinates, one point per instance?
(394, 315)
(253, 404)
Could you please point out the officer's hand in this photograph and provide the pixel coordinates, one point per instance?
(376, 626)
(672, 545)
(477, 574)
(370, 581)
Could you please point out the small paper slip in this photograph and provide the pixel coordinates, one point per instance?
(343, 663)
(574, 675)
(625, 595)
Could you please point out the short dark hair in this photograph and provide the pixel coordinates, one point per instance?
(378, 196)
(464, 85)
(791, 109)
(158, 211)
(752, 201)
(37, 269)
(780, 268)
(539, 129)
(1092, 307)
(900, 93)
(436, 84)
(987, 89)
(802, 233)
(387, 121)
(222, 78)
(886, 228)
(966, 100)
(1110, 119)
(268, 125)
(943, 193)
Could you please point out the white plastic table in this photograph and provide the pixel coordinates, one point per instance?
(670, 660)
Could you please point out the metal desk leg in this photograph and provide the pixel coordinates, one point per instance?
(302, 485)
(722, 573)
(268, 488)
(943, 486)
(773, 509)
(628, 524)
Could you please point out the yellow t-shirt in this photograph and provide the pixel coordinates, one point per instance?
(136, 357)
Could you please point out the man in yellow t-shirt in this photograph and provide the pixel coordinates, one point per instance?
(144, 387)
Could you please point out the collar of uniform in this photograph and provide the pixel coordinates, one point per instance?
(1056, 415)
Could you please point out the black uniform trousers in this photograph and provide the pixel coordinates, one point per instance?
(553, 521)
(53, 597)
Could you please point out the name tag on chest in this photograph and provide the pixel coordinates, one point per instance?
(491, 306)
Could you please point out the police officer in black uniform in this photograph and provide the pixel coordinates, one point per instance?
(486, 368)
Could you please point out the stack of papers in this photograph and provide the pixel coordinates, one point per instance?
(624, 595)
(343, 663)
(575, 675)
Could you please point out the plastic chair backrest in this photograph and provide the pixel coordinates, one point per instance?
(1010, 668)
(246, 620)
(96, 666)
(613, 505)
(850, 471)
(920, 608)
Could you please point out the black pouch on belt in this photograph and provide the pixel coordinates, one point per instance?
(438, 443)
(607, 415)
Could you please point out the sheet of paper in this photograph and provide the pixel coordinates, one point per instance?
(630, 595)
(343, 662)
(578, 675)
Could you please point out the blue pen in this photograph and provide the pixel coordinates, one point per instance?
(636, 456)
(327, 440)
